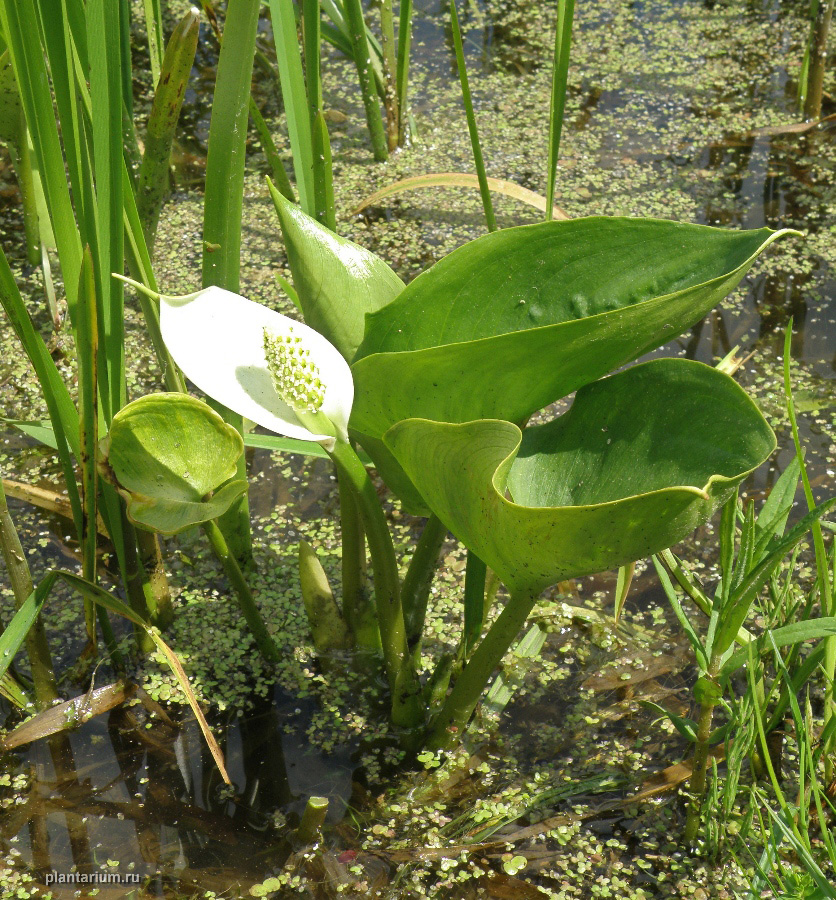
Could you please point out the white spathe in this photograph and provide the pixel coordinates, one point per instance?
(217, 338)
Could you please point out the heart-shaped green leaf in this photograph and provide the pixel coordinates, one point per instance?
(508, 323)
(169, 456)
(639, 461)
(337, 281)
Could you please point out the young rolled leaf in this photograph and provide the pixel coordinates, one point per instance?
(169, 456)
(640, 460)
(337, 281)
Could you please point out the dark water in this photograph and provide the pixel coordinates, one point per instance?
(128, 787)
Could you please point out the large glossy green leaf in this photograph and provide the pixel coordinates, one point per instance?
(639, 461)
(510, 322)
(169, 456)
(337, 281)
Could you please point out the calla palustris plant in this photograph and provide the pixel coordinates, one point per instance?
(499, 329)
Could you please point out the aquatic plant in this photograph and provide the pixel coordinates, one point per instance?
(442, 371)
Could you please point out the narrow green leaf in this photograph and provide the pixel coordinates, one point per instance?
(786, 636)
(20, 25)
(14, 634)
(322, 174)
(62, 412)
(560, 74)
(295, 99)
(478, 161)
(361, 53)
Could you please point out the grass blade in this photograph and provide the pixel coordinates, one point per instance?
(103, 34)
(295, 100)
(459, 179)
(402, 76)
(362, 60)
(471, 121)
(87, 339)
(154, 30)
(323, 174)
(20, 26)
(62, 412)
(560, 74)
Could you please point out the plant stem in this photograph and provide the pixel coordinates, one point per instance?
(387, 32)
(415, 590)
(312, 820)
(560, 73)
(223, 206)
(20, 578)
(402, 79)
(447, 728)
(827, 594)
(246, 603)
(362, 59)
(818, 59)
(699, 764)
(358, 610)
(407, 702)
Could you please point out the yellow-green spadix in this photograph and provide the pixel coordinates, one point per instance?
(222, 340)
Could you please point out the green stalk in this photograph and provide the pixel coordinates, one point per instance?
(560, 74)
(243, 595)
(268, 145)
(820, 26)
(451, 721)
(20, 27)
(224, 200)
(390, 102)
(311, 39)
(362, 60)
(312, 820)
(87, 348)
(20, 578)
(295, 99)
(358, 610)
(154, 173)
(105, 75)
(415, 590)
(22, 163)
(127, 66)
(827, 593)
(407, 702)
(699, 763)
(475, 577)
(478, 161)
(402, 79)
(323, 174)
